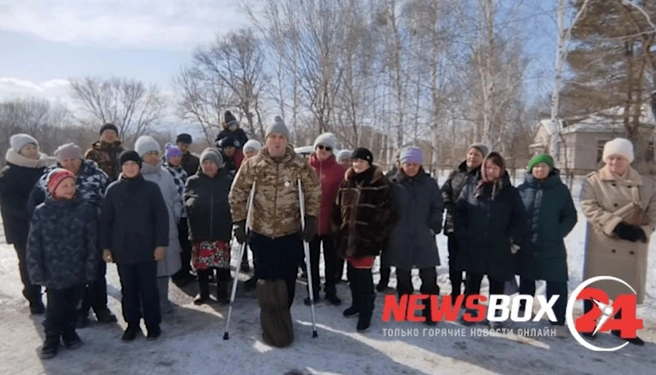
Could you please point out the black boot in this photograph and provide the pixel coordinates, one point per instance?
(384, 280)
(105, 316)
(37, 307)
(50, 345)
(331, 295)
(203, 289)
(71, 339)
(365, 298)
(366, 312)
(354, 309)
(153, 332)
(635, 341)
(131, 332)
(223, 286)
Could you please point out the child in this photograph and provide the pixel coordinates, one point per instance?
(239, 138)
(135, 234)
(62, 256)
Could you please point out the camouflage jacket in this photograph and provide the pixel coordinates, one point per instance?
(106, 156)
(62, 249)
(276, 209)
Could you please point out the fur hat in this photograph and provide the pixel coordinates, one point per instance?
(327, 140)
(278, 126)
(18, 141)
(619, 146)
(68, 151)
(146, 144)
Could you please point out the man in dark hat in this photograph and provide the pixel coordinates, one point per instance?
(190, 163)
(106, 150)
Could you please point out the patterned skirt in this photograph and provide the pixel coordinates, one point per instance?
(210, 254)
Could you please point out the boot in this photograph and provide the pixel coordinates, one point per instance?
(163, 287)
(223, 286)
(71, 339)
(354, 309)
(50, 345)
(635, 341)
(105, 316)
(366, 312)
(331, 295)
(37, 307)
(203, 289)
(153, 332)
(131, 332)
(365, 298)
(384, 279)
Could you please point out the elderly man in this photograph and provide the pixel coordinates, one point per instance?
(91, 185)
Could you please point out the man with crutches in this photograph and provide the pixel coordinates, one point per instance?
(276, 229)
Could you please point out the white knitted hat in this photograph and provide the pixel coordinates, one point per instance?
(146, 144)
(344, 154)
(18, 141)
(326, 139)
(252, 144)
(619, 146)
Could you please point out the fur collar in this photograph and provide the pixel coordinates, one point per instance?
(631, 177)
(378, 173)
(19, 160)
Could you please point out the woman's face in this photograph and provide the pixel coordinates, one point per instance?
(540, 171)
(151, 158)
(30, 151)
(360, 165)
(210, 168)
(617, 164)
(492, 171)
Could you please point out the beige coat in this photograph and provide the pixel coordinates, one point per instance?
(607, 200)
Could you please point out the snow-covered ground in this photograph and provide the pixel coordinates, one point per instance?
(192, 339)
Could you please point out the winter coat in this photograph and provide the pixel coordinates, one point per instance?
(106, 155)
(418, 205)
(607, 200)
(180, 178)
(134, 220)
(62, 249)
(239, 135)
(364, 215)
(451, 191)
(16, 182)
(91, 185)
(551, 216)
(276, 208)
(230, 163)
(157, 174)
(330, 174)
(486, 227)
(190, 163)
(208, 209)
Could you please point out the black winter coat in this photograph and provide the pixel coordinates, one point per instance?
(134, 220)
(552, 215)
(62, 249)
(418, 205)
(487, 227)
(190, 163)
(239, 135)
(208, 209)
(451, 191)
(16, 182)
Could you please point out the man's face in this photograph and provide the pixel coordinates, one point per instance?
(184, 147)
(276, 143)
(108, 136)
(474, 158)
(130, 169)
(72, 164)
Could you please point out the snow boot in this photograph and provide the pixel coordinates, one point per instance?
(365, 298)
(366, 312)
(275, 317)
(203, 290)
(50, 345)
(71, 339)
(354, 309)
(153, 332)
(383, 284)
(131, 332)
(37, 307)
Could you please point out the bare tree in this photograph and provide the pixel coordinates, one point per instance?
(128, 103)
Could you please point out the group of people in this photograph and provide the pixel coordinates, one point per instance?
(162, 216)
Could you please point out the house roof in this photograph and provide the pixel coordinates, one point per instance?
(606, 121)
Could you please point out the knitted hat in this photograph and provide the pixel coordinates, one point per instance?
(619, 146)
(278, 126)
(146, 144)
(130, 155)
(344, 154)
(213, 155)
(56, 176)
(480, 147)
(184, 138)
(411, 155)
(108, 126)
(18, 141)
(229, 119)
(68, 151)
(363, 154)
(227, 142)
(252, 144)
(172, 150)
(538, 159)
(327, 140)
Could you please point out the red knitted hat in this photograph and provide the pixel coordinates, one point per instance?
(56, 176)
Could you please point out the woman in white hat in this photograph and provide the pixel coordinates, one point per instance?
(620, 206)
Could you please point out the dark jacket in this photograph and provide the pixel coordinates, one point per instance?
(364, 214)
(418, 205)
(134, 220)
(106, 155)
(62, 247)
(239, 135)
(91, 185)
(16, 182)
(208, 209)
(451, 191)
(190, 163)
(486, 227)
(552, 216)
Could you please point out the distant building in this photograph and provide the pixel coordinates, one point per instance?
(583, 139)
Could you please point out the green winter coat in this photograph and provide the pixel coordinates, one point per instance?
(552, 216)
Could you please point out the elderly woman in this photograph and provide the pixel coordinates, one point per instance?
(152, 170)
(210, 225)
(620, 206)
(552, 216)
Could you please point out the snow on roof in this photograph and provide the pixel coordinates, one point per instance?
(607, 121)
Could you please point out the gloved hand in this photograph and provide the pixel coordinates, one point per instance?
(240, 231)
(630, 232)
(310, 229)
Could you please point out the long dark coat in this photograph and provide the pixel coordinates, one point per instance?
(208, 208)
